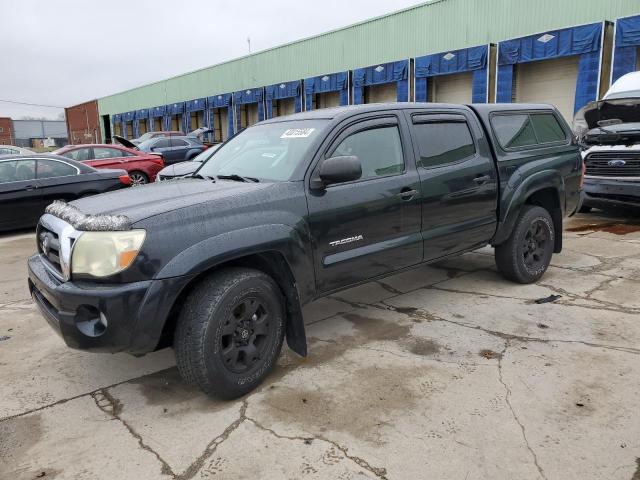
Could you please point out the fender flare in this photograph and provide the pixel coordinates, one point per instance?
(233, 245)
(515, 198)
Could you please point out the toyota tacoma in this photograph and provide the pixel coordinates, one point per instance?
(295, 208)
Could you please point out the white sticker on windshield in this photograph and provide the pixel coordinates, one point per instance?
(297, 133)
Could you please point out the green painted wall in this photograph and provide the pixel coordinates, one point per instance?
(427, 28)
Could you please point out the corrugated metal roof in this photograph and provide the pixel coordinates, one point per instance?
(422, 29)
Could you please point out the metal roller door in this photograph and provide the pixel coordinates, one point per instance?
(327, 100)
(286, 106)
(157, 124)
(386, 92)
(454, 88)
(548, 81)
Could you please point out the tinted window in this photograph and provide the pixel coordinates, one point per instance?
(176, 142)
(379, 151)
(514, 130)
(80, 154)
(100, 153)
(442, 143)
(162, 143)
(17, 170)
(53, 168)
(547, 128)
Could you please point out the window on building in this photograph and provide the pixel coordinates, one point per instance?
(379, 151)
(441, 143)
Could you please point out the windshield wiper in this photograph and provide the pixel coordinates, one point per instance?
(203, 177)
(238, 178)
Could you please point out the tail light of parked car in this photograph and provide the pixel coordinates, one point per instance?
(158, 161)
(125, 179)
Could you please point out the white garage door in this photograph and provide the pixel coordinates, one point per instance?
(548, 81)
(454, 88)
(381, 93)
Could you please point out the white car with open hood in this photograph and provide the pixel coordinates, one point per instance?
(609, 131)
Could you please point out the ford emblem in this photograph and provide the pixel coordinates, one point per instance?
(616, 163)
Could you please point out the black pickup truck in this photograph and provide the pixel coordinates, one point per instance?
(293, 209)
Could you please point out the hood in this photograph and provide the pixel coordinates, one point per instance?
(156, 198)
(179, 169)
(608, 116)
(124, 142)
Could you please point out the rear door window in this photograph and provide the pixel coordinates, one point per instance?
(54, 168)
(79, 154)
(441, 143)
(162, 143)
(17, 171)
(100, 153)
(177, 142)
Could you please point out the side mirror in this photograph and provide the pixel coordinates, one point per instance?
(338, 170)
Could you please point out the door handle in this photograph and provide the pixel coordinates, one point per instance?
(407, 193)
(481, 180)
(30, 187)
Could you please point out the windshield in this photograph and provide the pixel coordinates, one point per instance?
(204, 156)
(146, 136)
(270, 151)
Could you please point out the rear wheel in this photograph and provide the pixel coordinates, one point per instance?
(138, 178)
(526, 255)
(230, 332)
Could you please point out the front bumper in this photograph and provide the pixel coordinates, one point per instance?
(104, 317)
(600, 192)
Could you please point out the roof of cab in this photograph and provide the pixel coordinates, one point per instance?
(335, 113)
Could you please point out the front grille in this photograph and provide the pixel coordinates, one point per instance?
(49, 247)
(599, 164)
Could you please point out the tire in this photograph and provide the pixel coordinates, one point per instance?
(217, 337)
(526, 255)
(138, 178)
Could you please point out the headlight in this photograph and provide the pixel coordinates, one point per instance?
(101, 254)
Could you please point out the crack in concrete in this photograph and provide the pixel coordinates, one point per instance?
(513, 412)
(110, 405)
(379, 472)
(213, 445)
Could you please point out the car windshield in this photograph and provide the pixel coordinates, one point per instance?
(146, 136)
(206, 155)
(271, 151)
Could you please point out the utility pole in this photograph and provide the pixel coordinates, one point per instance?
(249, 43)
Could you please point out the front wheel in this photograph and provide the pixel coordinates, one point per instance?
(525, 256)
(230, 332)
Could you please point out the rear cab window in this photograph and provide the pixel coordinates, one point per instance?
(516, 130)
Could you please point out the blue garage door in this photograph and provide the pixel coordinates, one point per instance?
(249, 107)
(283, 99)
(626, 46)
(583, 42)
(326, 90)
(393, 77)
(174, 117)
(221, 116)
(474, 60)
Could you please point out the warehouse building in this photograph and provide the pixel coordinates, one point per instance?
(565, 53)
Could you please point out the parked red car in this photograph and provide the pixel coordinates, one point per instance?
(141, 166)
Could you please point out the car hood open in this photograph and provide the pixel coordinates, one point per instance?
(124, 142)
(153, 199)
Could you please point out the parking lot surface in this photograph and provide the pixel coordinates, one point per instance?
(445, 371)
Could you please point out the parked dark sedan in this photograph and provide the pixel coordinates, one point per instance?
(173, 149)
(28, 183)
